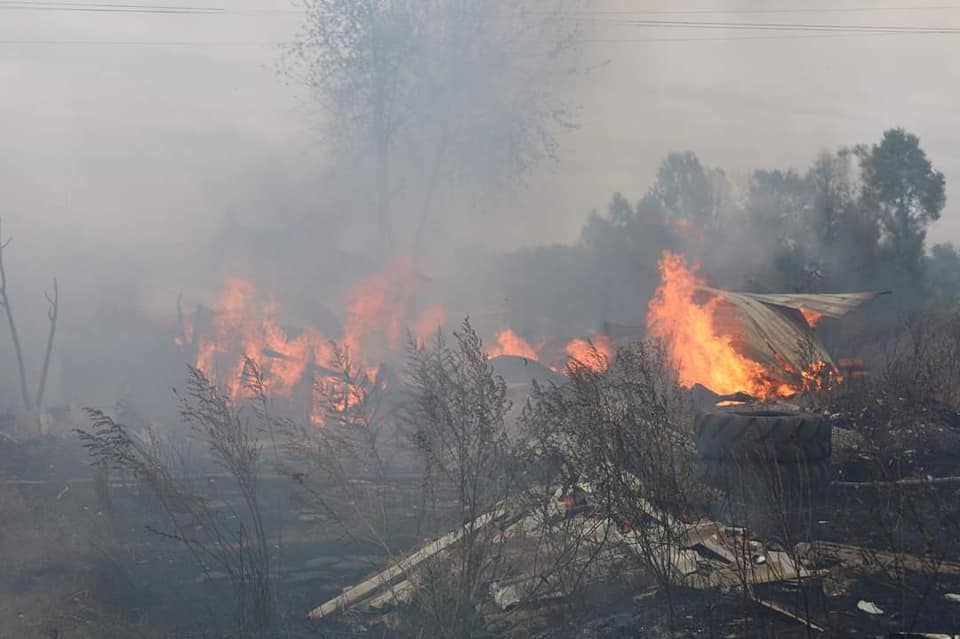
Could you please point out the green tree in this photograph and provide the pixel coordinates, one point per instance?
(905, 192)
(943, 271)
(848, 234)
(686, 189)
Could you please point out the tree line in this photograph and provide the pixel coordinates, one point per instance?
(855, 219)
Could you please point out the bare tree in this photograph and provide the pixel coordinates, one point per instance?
(234, 541)
(5, 302)
(52, 314)
(622, 434)
(343, 447)
(468, 88)
(456, 419)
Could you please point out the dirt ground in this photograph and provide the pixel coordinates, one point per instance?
(76, 563)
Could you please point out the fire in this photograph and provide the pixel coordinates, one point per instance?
(377, 308)
(246, 325)
(820, 376)
(427, 324)
(687, 328)
(594, 354)
(509, 343)
(812, 317)
(246, 328)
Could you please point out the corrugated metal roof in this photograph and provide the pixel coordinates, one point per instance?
(770, 329)
(828, 304)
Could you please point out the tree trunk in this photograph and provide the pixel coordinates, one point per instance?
(5, 302)
(52, 313)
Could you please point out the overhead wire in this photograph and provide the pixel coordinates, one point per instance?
(785, 30)
(242, 44)
(60, 5)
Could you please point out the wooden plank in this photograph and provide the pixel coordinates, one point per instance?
(771, 605)
(369, 586)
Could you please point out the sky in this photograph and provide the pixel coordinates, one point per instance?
(133, 134)
(127, 137)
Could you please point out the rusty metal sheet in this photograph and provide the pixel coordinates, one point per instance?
(771, 330)
(776, 337)
(828, 304)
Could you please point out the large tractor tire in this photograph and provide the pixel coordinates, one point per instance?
(798, 481)
(773, 466)
(762, 436)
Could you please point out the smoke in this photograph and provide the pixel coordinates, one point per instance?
(140, 173)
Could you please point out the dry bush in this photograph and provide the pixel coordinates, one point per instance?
(922, 360)
(455, 416)
(623, 435)
(907, 413)
(339, 462)
(232, 541)
(900, 429)
(451, 411)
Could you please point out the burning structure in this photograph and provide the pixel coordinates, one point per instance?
(759, 344)
(381, 313)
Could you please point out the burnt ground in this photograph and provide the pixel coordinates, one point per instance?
(74, 565)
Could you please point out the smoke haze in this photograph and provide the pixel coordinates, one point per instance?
(135, 172)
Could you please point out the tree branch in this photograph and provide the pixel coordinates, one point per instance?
(52, 314)
(5, 303)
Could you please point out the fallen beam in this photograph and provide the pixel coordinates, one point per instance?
(403, 567)
(786, 612)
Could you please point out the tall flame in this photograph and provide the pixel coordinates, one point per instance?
(377, 309)
(428, 323)
(687, 328)
(812, 317)
(509, 343)
(594, 354)
(244, 328)
(245, 325)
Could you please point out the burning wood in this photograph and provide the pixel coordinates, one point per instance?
(379, 311)
(594, 352)
(762, 345)
(509, 343)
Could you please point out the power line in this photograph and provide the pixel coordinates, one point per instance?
(823, 36)
(202, 44)
(785, 26)
(636, 22)
(132, 43)
(53, 5)
(867, 9)
(106, 5)
(109, 7)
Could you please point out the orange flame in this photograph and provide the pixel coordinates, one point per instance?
(377, 308)
(428, 323)
(700, 354)
(509, 343)
(812, 317)
(247, 326)
(242, 328)
(594, 354)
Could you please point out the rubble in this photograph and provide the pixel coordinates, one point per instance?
(869, 607)
(402, 568)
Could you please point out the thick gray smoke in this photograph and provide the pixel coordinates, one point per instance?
(147, 156)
